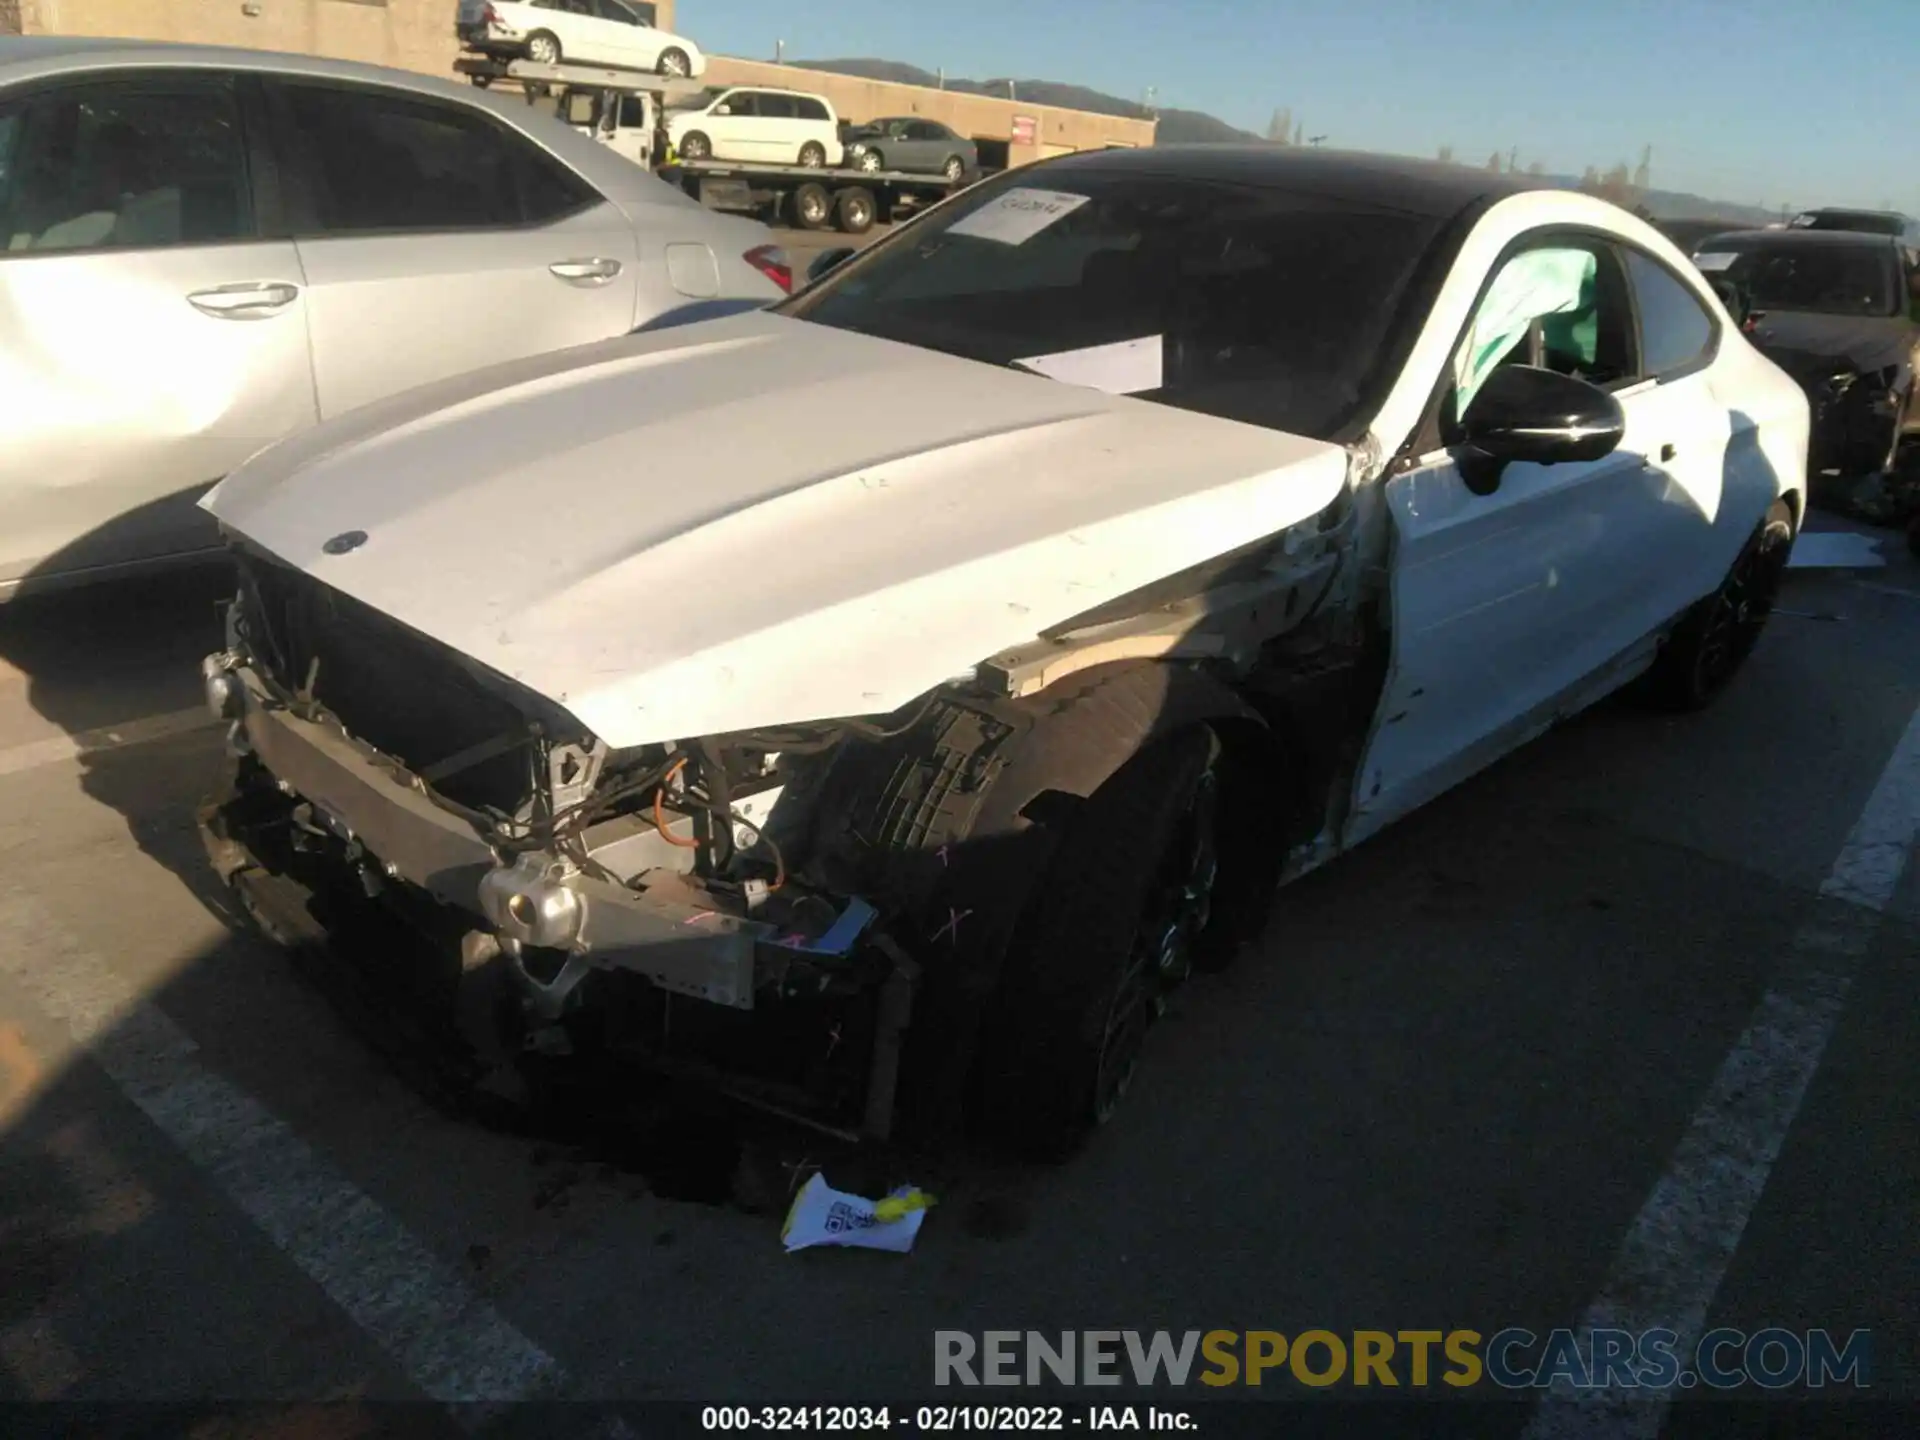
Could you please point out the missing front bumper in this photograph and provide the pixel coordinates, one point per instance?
(307, 804)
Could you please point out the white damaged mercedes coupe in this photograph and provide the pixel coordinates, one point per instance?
(874, 704)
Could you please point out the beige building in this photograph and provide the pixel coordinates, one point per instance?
(418, 35)
(409, 34)
(1008, 132)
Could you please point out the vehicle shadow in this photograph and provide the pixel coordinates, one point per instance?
(114, 668)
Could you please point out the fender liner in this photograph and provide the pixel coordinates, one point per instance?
(951, 826)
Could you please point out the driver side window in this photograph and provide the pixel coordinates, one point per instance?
(1562, 305)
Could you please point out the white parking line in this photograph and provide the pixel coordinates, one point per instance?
(34, 754)
(1676, 1253)
(451, 1343)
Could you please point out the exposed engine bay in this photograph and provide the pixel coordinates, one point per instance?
(769, 911)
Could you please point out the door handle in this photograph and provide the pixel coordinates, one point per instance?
(246, 300)
(585, 272)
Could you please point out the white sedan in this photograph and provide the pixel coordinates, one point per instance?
(908, 685)
(581, 32)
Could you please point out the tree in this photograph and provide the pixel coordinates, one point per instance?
(1446, 154)
(1536, 169)
(1300, 132)
(1493, 162)
(1280, 127)
(1616, 185)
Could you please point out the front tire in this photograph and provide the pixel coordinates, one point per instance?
(1715, 637)
(674, 64)
(871, 162)
(1116, 923)
(543, 48)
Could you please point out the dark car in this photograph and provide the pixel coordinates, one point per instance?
(1836, 310)
(907, 142)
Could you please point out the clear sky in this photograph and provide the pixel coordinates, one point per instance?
(1801, 102)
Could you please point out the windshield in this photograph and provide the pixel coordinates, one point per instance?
(1844, 279)
(1251, 303)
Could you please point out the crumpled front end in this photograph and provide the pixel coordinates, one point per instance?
(567, 893)
(1858, 375)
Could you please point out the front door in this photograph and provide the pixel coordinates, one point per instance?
(149, 340)
(436, 240)
(636, 45)
(1513, 608)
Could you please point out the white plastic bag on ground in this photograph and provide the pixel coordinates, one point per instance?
(821, 1215)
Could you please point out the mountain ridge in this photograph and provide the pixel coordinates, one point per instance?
(1196, 127)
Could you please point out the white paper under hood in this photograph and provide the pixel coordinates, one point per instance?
(757, 520)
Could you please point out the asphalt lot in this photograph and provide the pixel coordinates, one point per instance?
(1441, 1096)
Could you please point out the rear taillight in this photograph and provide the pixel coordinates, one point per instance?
(771, 261)
(490, 16)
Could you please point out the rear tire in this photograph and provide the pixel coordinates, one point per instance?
(674, 64)
(813, 155)
(695, 146)
(1115, 923)
(856, 211)
(543, 48)
(954, 169)
(812, 207)
(1715, 637)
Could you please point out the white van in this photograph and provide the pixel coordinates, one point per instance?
(774, 127)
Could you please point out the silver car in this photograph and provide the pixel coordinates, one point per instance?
(911, 143)
(205, 250)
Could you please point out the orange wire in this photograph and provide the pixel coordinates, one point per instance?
(659, 815)
(660, 824)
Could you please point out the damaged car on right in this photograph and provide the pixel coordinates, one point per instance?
(874, 707)
(1839, 310)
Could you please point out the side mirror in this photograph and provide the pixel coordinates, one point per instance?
(1733, 297)
(723, 109)
(1536, 417)
(826, 260)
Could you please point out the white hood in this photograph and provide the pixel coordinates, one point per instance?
(756, 520)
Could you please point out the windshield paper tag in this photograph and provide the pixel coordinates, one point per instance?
(1019, 215)
(1125, 368)
(1719, 260)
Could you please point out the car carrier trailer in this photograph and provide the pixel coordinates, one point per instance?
(620, 108)
(809, 196)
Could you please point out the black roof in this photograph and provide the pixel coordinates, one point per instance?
(1859, 238)
(1851, 213)
(1423, 187)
